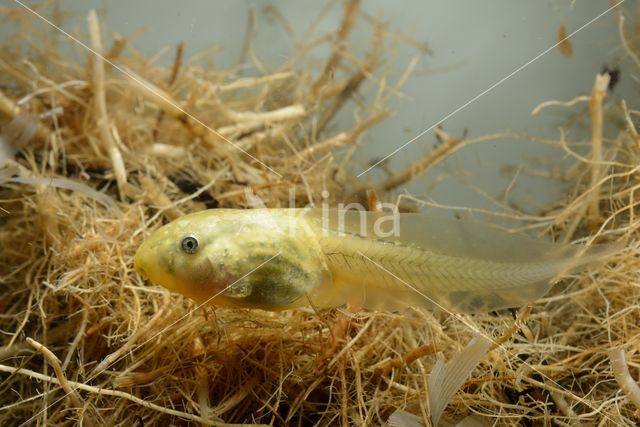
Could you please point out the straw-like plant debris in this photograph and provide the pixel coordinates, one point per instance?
(101, 147)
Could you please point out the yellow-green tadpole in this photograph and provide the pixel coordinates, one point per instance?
(279, 259)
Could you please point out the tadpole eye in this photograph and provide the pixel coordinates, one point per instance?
(189, 244)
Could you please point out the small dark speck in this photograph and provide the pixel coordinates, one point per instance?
(614, 76)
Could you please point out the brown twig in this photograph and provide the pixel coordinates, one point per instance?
(339, 331)
(623, 377)
(364, 70)
(523, 315)
(447, 147)
(177, 62)
(348, 20)
(119, 43)
(595, 109)
(53, 360)
(343, 137)
(373, 201)
(116, 393)
(407, 359)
